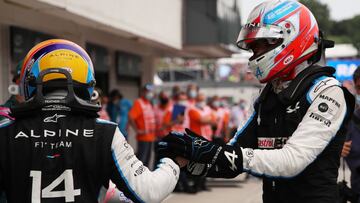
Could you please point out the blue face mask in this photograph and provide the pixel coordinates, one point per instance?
(192, 94)
(357, 99)
(149, 96)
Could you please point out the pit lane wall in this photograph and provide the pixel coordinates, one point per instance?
(118, 32)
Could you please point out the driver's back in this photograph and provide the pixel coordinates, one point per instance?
(55, 156)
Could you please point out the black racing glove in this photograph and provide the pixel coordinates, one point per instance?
(190, 146)
(199, 150)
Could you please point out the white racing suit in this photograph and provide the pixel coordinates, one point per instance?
(292, 140)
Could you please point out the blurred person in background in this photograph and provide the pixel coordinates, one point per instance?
(238, 116)
(125, 106)
(351, 148)
(14, 89)
(118, 108)
(224, 104)
(192, 91)
(163, 106)
(220, 127)
(201, 117)
(175, 91)
(293, 139)
(142, 120)
(201, 120)
(174, 120)
(113, 107)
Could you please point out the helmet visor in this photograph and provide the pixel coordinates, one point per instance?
(251, 32)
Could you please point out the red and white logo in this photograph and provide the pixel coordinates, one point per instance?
(266, 143)
(288, 59)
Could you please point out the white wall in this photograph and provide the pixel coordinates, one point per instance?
(157, 20)
(15, 15)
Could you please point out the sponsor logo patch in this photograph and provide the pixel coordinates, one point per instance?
(289, 109)
(249, 153)
(271, 142)
(53, 119)
(288, 59)
(140, 170)
(333, 101)
(323, 107)
(321, 119)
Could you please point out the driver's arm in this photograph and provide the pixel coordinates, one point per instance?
(134, 179)
(318, 128)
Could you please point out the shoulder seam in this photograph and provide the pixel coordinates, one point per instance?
(102, 121)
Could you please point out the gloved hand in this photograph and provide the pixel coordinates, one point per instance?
(204, 156)
(190, 146)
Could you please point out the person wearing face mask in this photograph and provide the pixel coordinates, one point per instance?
(351, 148)
(175, 121)
(142, 120)
(192, 91)
(201, 118)
(160, 110)
(118, 108)
(238, 116)
(220, 128)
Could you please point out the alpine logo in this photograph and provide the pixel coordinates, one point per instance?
(292, 110)
(258, 73)
(232, 157)
(53, 119)
(60, 133)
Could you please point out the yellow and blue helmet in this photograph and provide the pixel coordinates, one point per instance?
(57, 54)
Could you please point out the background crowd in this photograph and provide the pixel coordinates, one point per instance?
(156, 112)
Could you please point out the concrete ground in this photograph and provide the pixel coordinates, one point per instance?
(223, 191)
(235, 190)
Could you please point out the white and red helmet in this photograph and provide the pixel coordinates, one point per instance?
(288, 33)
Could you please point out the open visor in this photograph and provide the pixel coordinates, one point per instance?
(251, 32)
